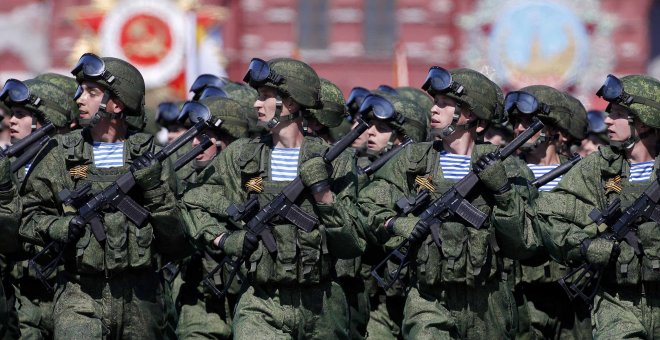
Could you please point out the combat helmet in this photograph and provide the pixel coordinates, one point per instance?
(45, 100)
(416, 95)
(68, 85)
(644, 98)
(231, 113)
(120, 79)
(291, 78)
(334, 110)
(577, 119)
(408, 119)
(471, 90)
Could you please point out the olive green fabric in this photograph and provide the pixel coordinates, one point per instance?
(300, 82)
(563, 222)
(481, 95)
(128, 85)
(231, 113)
(333, 111)
(35, 315)
(649, 88)
(67, 85)
(271, 312)
(577, 125)
(128, 257)
(246, 95)
(386, 317)
(468, 261)
(416, 121)
(560, 113)
(420, 97)
(54, 106)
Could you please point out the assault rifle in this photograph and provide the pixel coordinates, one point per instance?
(450, 203)
(583, 282)
(384, 158)
(556, 172)
(89, 206)
(283, 205)
(18, 147)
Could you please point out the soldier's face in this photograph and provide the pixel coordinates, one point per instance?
(209, 153)
(442, 112)
(20, 123)
(521, 123)
(266, 104)
(174, 131)
(360, 142)
(90, 100)
(378, 135)
(616, 121)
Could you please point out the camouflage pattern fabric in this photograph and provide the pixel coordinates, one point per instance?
(302, 83)
(333, 111)
(54, 105)
(67, 85)
(647, 87)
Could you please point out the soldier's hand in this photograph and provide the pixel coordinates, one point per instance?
(315, 174)
(599, 251)
(492, 173)
(407, 227)
(147, 170)
(76, 229)
(65, 229)
(238, 243)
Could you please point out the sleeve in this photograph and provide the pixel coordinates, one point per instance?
(10, 220)
(343, 236)
(41, 206)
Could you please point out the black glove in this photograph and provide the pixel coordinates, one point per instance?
(315, 174)
(492, 173)
(76, 229)
(147, 170)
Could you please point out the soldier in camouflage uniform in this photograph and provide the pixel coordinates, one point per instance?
(202, 314)
(596, 133)
(108, 288)
(550, 314)
(461, 288)
(33, 302)
(626, 305)
(291, 293)
(10, 215)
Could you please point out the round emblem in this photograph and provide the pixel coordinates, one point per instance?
(149, 35)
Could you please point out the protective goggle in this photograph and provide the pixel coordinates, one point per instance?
(357, 96)
(525, 103)
(206, 80)
(194, 111)
(440, 80)
(387, 89)
(211, 91)
(92, 66)
(381, 108)
(596, 121)
(612, 91)
(18, 93)
(259, 73)
(167, 112)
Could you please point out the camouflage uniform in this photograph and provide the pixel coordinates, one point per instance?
(542, 302)
(459, 290)
(200, 313)
(626, 305)
(10, 215)
(291, 292)
(33, 303)
(110, 288)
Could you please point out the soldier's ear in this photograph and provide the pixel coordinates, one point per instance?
(118, 105)
(482, 125)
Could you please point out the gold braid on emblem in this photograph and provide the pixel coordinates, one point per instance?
(255, 184)
(424, 182)
(613, 185)
(79, 171)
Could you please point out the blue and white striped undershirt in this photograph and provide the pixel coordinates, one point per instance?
(284, 164)
(540, 170)
(108, 155)
(641, 172)
(454, 166)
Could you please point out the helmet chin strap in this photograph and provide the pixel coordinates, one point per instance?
(529, 147)
(634, 137)
(453, 126)
(277, 118)
(102, 113)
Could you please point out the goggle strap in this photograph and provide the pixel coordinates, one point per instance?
(645, 101)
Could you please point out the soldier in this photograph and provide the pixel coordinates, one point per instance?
(321, 121)
(108, 288)
(5, 115)
(625, 304)
(551, 314)
(596, 133)
(201, 313)
(34, 303)
(10, 215)
(460, 287)
(291, 293)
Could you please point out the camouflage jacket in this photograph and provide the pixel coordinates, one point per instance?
(563, 219)
(66, 162)
(303, 258)
(467, 255)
